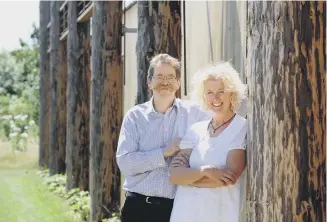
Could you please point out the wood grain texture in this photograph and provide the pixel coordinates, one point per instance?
(106, 108)
(287, 111)
(159, 31)
(58, 72)
(44, 70)
(78, 101)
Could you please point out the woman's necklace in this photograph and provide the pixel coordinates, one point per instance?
(215, 129)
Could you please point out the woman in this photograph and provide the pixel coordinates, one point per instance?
(212, 156)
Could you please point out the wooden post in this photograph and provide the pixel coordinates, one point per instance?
(287, 115)
(58, 70)
(159, 31)
(106, 108)
(78, 108)
(44, 63)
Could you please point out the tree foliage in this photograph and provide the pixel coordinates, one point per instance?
(19, 79)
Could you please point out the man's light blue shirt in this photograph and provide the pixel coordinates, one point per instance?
(143, 136)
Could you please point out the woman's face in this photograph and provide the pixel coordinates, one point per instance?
(216, 98)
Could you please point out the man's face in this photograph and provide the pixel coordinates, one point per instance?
(164, 82)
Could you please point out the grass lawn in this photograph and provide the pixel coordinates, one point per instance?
(23, 198)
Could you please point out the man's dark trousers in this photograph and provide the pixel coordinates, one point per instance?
(140, 208)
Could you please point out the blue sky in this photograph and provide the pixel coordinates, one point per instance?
(16, 19)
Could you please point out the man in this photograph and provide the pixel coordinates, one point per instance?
(149, 137)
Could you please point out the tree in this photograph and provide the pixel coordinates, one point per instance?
(287, 115)
(78, 108)
(44, 71)
(10, 72)
(106, 108)
(159, 31)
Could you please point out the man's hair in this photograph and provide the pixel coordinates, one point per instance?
(164, 59)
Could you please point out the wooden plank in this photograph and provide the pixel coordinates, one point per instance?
(287, 111)
(64, 35)
(63, 5)
(106, 108)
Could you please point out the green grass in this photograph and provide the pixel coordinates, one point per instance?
(23, 197)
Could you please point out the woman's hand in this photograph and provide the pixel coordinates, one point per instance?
(219, 174)
(181, 160)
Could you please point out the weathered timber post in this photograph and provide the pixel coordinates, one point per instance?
(78, 102)
(159, 31)
(287, 111)
(44, 63)
(106, 108)
(58, 70)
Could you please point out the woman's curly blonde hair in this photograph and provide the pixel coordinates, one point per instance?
(230, 77)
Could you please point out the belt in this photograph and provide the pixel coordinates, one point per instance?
(149, 199)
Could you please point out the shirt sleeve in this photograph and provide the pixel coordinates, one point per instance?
(130, 160)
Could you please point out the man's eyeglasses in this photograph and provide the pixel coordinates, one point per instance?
(162, 78)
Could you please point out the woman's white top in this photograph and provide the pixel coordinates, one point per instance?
(222, 204)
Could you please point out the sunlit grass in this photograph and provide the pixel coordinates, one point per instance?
(23, 197)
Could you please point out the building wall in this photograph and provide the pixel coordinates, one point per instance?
(227, 22)
(130, 86)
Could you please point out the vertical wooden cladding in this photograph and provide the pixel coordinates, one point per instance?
(106, 108)
(287, 116)
(78, 109)
(159, 31)
(44, 63)
(58, 70)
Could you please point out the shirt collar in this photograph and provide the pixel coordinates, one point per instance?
(151, 109)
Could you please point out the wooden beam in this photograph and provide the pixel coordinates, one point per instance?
(63, 5)
(58, 95)
(287, 111)
(87, 14)
(129, 30)
(45, 96)
(78, 101)
(168, 30)
(64, 35)
(106, 108)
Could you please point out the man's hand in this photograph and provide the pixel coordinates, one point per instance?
(219, 174)
(172, 148)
